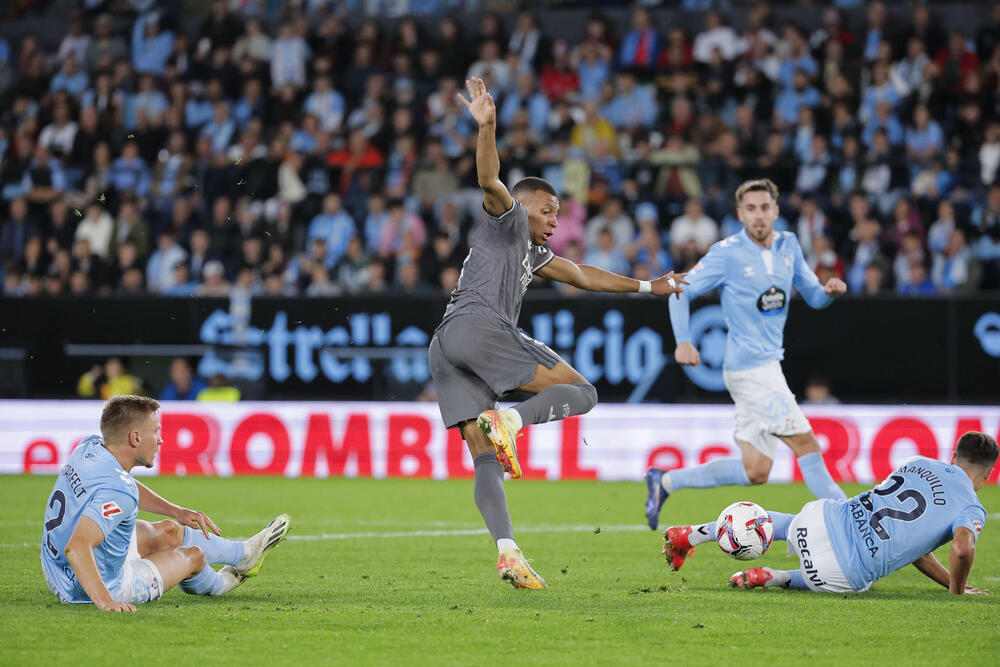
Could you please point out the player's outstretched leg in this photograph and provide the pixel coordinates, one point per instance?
(491, 499)
(814, 472)
(661, 483)
(256, 547)
(766, 577)
(186, 567)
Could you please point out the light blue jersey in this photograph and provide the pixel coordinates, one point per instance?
(91, 484)
(913, 512)
(755, 285)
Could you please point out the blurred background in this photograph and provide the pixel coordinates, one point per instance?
(267, 200)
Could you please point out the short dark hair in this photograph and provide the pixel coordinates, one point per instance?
(121, 412)
(756, 185)
(528, 185)
(978, 449)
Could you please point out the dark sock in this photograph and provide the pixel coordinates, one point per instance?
(490, 496)
(558, 402)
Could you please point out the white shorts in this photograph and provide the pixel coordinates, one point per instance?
(809, 540)
(141, 579)
(765, 407)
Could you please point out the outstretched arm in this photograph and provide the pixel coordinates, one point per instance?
(496, 199)
(150, 501)
(598, 280)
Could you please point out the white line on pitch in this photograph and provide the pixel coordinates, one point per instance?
(474, 531)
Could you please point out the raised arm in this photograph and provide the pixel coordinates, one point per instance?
(150, 501)
(594, 279)
(80, 554)
(496, 199)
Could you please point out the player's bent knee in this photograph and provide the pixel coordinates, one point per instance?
(196, 558)
(591, 394)
(758, 474)
(170, 534)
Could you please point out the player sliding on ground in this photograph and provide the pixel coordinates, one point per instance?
(478, 354)
(754, 272)
(847, 545)
(95, 550)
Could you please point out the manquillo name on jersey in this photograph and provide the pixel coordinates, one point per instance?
(772, 301)
(802, 542)
(937, 488)
(861, 522)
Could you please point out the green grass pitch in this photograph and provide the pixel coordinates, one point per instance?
(336, 592)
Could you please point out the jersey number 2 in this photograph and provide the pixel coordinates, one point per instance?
(887, 512)
(54, 522)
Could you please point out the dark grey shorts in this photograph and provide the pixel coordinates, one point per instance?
(476, 360)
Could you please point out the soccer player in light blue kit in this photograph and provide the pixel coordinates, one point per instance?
(847, 545)
(94, 549)
(754, 272)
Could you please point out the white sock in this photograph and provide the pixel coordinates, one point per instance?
(516, 416)
(779, 578)
(702, 533)
(665, 482)
(506, 543)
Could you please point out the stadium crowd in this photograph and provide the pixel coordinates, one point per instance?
(304, 152)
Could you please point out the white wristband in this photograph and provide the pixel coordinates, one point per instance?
(645, 287)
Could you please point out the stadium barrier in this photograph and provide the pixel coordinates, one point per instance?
(862, 443)
(373, 348)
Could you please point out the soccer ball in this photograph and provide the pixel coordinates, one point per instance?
(744, 531)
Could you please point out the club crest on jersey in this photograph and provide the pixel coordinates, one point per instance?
(772, 301)
(110, 509)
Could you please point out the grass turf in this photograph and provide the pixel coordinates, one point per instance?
(437, 599)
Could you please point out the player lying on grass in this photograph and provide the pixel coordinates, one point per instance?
(847, 545)
(478, 354)
(95, 550)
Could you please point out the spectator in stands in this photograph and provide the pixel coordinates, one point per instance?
(606, 254)
(817, 392)
(640, 47)
(692, 234)
(97, 228)
(184, 385)
(111, 379)
(955, 269)
(334, 226)
(15, 231)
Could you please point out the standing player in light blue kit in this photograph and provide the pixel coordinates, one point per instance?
(847, 545)
(754, 272)
(94, 549)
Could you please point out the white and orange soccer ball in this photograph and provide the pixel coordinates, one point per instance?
(744, 530)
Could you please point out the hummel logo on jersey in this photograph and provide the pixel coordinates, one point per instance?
(747, 271)
(110, 509)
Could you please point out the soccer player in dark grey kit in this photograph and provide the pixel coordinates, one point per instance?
(478, 354)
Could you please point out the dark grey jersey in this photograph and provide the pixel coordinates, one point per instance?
(501, 261)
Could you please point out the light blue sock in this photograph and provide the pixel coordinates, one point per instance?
(206, 582)
(797, 582)
(781, 521)
(818, 478)
(218, 550)
(720, 472)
